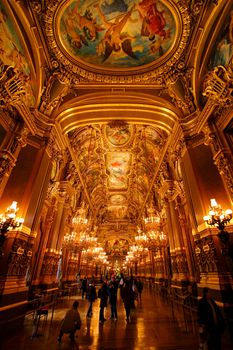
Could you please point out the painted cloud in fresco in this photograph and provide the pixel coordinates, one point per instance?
(118, 164)
(223, 50)
(119, 33)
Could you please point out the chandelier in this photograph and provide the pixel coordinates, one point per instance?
(70, 238)
(81, 217)
(81, 241)
(219, 218)
(157, 239)
(86, 240)
(9, 221)
(153, 239)
(152, 217)
(141, 239)
(135, 253)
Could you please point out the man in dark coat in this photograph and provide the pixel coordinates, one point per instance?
(211, 321)
(139, 286)
(84, 287)
(128, 296)
(91, 296)
(112, 291)
(103, 295)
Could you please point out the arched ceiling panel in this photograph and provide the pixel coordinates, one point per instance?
(116, 164)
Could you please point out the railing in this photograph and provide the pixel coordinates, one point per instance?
(183, 305)
(184, 309)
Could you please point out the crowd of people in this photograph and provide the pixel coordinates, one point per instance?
(209, 316)
(130, 291)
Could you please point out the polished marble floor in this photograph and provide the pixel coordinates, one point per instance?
(156, 324)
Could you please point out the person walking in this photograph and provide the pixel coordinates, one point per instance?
(91, 296)
(139, 286)
(71, 322)
(211, 322)
(128, 298)
(112, 291)
(121, 285)
(84, 287)
(103, 295)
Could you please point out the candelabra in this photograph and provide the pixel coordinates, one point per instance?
(9, 221)
(219, 218)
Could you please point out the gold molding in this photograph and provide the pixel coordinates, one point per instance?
(103, 108)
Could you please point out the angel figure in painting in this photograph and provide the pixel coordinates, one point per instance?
(153, 21)
(114, 40)
(80, 28)
(153, 24)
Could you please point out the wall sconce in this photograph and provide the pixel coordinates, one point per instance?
(219, 218)
(9, 221)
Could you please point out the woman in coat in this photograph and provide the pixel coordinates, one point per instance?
(71, 322)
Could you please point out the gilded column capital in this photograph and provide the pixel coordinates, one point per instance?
(7, 162)
(53, 151)
(222, 157)
(57, 86)
(177, 82)
(169, 189)
(211, 138)
(225, 168)
(20, 140)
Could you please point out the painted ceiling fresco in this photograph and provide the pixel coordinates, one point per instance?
(116, 247)
(116, 33)
(223, 49)
(117, 163)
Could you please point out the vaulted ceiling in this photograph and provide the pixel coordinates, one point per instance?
(117, 162)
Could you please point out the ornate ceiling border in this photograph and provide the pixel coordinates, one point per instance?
(151, 73)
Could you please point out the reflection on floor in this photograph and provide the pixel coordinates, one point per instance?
(155, 324)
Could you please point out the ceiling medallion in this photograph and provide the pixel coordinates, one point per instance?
(120, 37)
(118, 133)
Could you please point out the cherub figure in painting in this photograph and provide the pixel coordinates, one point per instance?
(114, 40)
(80, 28)
(153, 24)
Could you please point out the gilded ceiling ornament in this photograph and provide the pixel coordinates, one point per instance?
(57, 87)
(15, 88)
(225, 169)
(6, 165)
(218, 85)
(118, 133)
(177, 82)
(196, 6)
